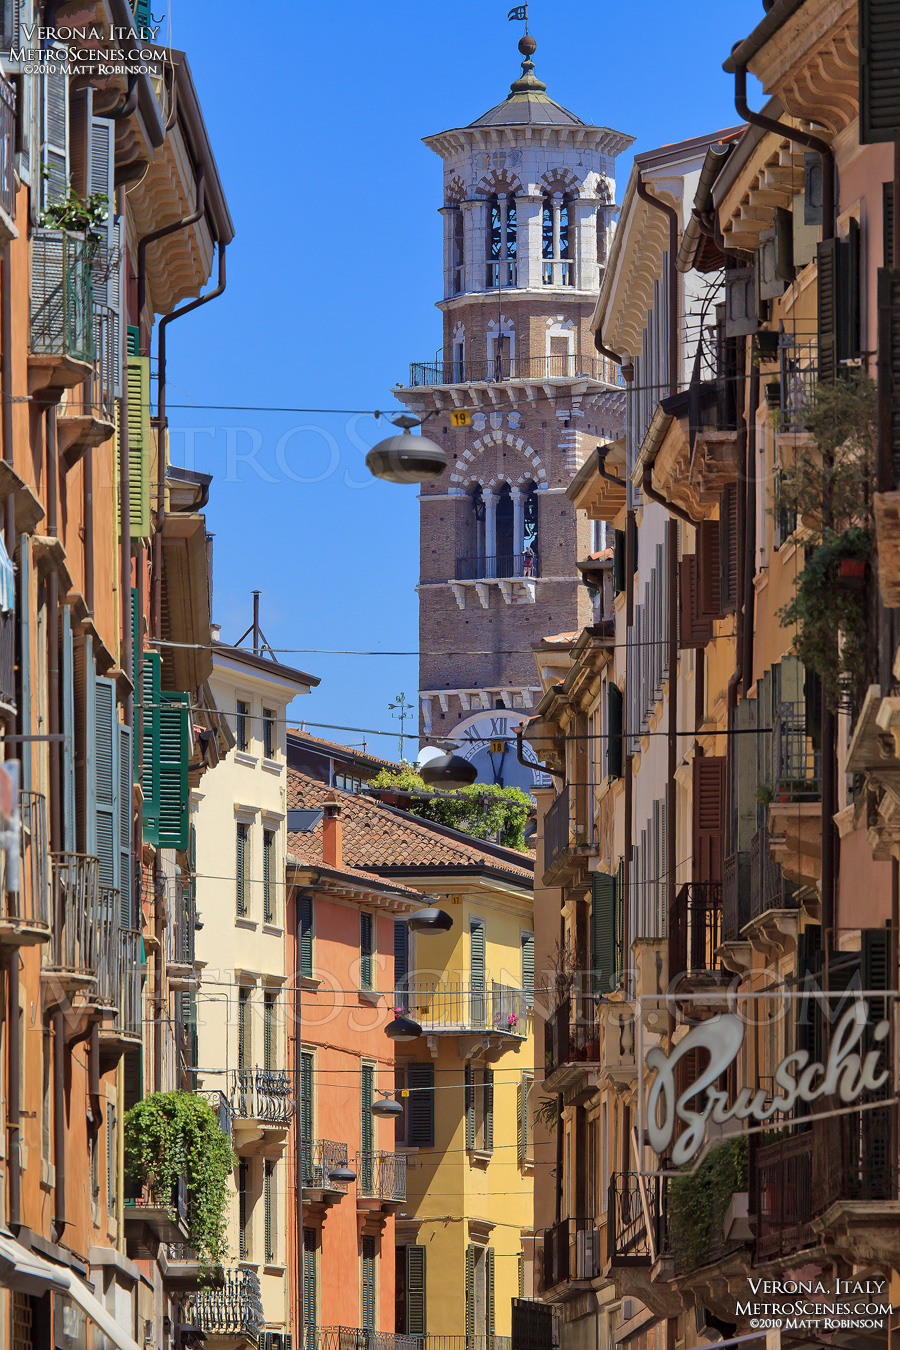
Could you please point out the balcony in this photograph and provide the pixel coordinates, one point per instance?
(125, 1028)
(24, 911)
(262, 1105)
(233, 1313)
(735, 896)
(185, 1272)
(572, 1043)
(361, 1338)
(90, 420)
(783, 1175)
(520, 369)
(455, 1009)
(695, 930)
(8, 661)
(7, 160)
(151, 1219)
(505, 566)
(634, 1221)
(573, 1250)
(791, 395)
(62, 312)
(381, 1177)
(320, 1158)
(769, 888)
(181, 936)
(565, 835)
(74, 918)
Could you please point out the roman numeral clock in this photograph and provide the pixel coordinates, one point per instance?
(488, 741)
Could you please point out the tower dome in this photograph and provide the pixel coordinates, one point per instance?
(527, 102)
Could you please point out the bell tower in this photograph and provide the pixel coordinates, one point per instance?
(528, 199)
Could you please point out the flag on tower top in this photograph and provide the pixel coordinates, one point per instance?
(518, 12)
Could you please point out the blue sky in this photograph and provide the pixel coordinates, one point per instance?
(315, 116)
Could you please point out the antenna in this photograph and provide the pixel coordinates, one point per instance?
(260, 641)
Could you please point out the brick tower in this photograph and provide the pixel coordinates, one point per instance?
(527, 207)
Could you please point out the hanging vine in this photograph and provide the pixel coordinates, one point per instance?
(482, 810)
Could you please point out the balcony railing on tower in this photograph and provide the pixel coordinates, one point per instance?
(500, 567)
(490, 370)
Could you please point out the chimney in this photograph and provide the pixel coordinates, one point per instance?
(332, 835)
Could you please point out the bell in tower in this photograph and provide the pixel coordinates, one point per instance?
(528, 200)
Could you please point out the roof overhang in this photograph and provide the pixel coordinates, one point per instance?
(185, 611)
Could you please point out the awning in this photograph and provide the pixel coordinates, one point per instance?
(29, 1273)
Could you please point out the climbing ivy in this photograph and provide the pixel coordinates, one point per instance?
(482, 810)
(171, 1134)
(697, 1204)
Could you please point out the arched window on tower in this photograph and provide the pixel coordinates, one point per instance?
(556, 236)
(506, 540)
(502, 242)
(470, 561)
(458, 264)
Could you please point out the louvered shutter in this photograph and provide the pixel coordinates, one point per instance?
(85, 745)
(244, 1235)
(604, 970)
(826, 320)
(268, 876)
(23, 598)
(138, 373)
(470, 1290)
(521, 1121)
(728, 547)
(615, 747)
(125, 808)
(416, 1290)
(310, 1292)
(151, 674)
(106, 809)
(879, 71)
(306, 935)
(137, 675)
(420, 1080)
(889, 364)
(708, 817)
(477, 972)
(470, 1105)
(620, 914)
(366, 1123)
(401, 953)
(174, 750)
(243, 1029)
(368, 1284)
(365, 950)
(875, 1125)
(619, 562)
(488, 1090)
(268, 1031)
(269, 1216)
(67, 699)
(695, 628)
(887, 224)
(709, 567)
(54, 131)
(242, 833)
(528, 967)
(838, 302)
(490, 1293)
(9, 17)
(520, 1272)
(306, 1114)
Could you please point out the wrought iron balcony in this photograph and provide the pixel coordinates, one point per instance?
(572, 1250)
(74, 912)
(735, 896)
(798, 375)
(565, 828)
(7, 148)
(696, 929)
(634, 1219)
(233, 1310)
(361, 1338)
(62, 297)
(181, 934)
(151, 1218)
(501, 567)
(108, 948)
(798, 768)
(24, 887)
(454, 1007)
(320, 1158)
(423, 374)
(130, 1019)
(263, 1095)
(769, 888)
(381, 1176)
(572, 1039)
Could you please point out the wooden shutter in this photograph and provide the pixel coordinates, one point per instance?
(151, 674)
(728, 547)
(269, 1217)
(67, 700)
(477, 972)
(306, 935)
(615, 746)
(887, 224)
(54, 131)
(826, 320)
(708, 817)
(125, 805)
(469, 1093)
(244, 1028)
(243, 1210)
(174, 751)
(269, 1031)
(839, 302)
(522, 1117)
(241, 839)
(365, 950)
(695, 629)
(470, 1289)
(366, 1119)
(268, 876)
(528, 967)
(488, 1108)
(889, 360)
(619, 562)
(416, 1290)
(401, 953)
(85, 745)
(24, 599)
(420, 1080)
(306, 1112)
(490, 1292)
(368, 1284)
(520, 1263)
(106, 809)
(604, 970)
(709, 567)
(310, 1292)
(879, 71)
(138, 375)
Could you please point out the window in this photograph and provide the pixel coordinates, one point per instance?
(347, 783)
(501, 242)
(420, 1108)
(270, 1031)
(369, 1318)
(366, 1128)
(306, 1113)
(242, 728)
(245, 1244)
(305, 912)
(310, 1292)
(556, 241)
(365, 950)
(479, 1101)
(242, 870)
(244, 1037)
(522, 1107)
(459, 255)
(270, 871)
(270, 733)
(270, 1212)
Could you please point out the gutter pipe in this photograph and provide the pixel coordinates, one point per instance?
(716, 158)
(742, 53)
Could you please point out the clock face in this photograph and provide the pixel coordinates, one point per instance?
(488, 741)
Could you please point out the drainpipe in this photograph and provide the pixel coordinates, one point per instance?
(602, 452)
(125, 498)
(650, 491)
(183, 224)
(746, 657)
(13, 1106)
(797, 137)
(156, 608)
(6, 394)
(59, 1124)
(53, 634)
(742, 562)
(88, 500)
(130, 104)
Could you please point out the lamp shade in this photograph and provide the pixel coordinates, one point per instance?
(387, 1106)
(342, 1174)
(406, 459)
(429, 921)
(403, 1029)
(448, 771)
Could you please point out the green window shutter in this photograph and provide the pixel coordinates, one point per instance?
(604, 969)
(67, 690)
(366, 1096)
(133, 340)
(490, 1291)
(106, 803)
(174, 749)
(269, 1031)
(614, 720)
(138, 447)
(470, 1290)
(310, 1292)
(306, 935)
(420, 1080)
(488, 1110)
(306, 1112)
(241, 867)
(243, 1210)
(243, 1028)
(151, 676)
(477, 972)
(85, 745)
(401, 953)
(838, 320)
(136, 666)
(416, 1290)
(470, 1105)
(368, 1284)
(521, 1121)
(879, 71)
(125, 805)
(269, 1215)
(528, 967)
(365, 950)
(268, 876)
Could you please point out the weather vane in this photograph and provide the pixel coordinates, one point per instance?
(401, 715)
(520, 13)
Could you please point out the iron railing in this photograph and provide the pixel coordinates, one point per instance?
(534, 1325)
(500, 567)
(108, 963)
(182, 924)
(634, 1219)
(466, 1007)
(381, 1176)
(234, 1310)
(563, 828)
(130, 1021)
(361, 1338)
(799, 372)
(8, 658)
(143, 1197)
(7, 148)
(768, 887)
(23, 879)
(74, 904)
(797, 762)
(261, 1094)
(494, 369)
(783, 1177)
(319, 1159)
(572, 1034)
(220, 1105)
(735, 896)
(696, 928)
(106, 378)
(571, 1251)
(62, 299)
